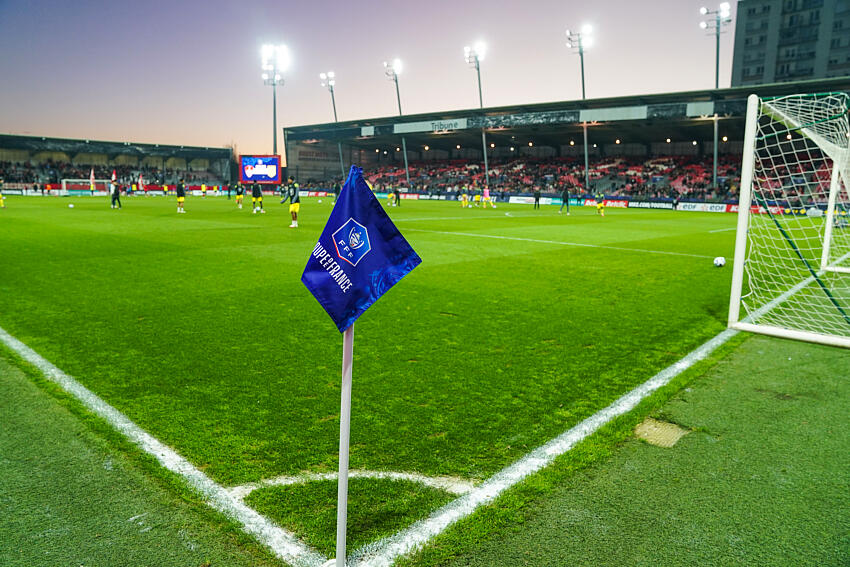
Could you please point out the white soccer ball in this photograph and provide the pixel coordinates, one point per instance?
(720, 261)
(320, 200)
(70, 205)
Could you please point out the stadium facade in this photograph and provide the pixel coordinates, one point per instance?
(791, 40)
(638, 125)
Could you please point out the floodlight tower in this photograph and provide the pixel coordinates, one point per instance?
(329, 80)
(275, 60)
(722, 17)
(392, 70)
(578, 41)
(473, 56)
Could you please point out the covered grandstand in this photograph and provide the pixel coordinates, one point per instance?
(29, 160)
(670, 134)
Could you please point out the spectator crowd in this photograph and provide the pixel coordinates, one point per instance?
(677, 177)
(53, 172)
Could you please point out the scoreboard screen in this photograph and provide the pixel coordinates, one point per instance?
(259, 169)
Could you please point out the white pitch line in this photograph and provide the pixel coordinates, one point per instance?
(385, 551)
(284, 544)
(724, 229)
(494, 216)
(581, 244)
(450, 484)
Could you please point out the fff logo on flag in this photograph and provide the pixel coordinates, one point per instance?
(351, 241)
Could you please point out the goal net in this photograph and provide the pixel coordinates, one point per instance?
(83, 186)
(791, 274)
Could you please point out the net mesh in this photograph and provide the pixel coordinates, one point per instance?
(799, 233)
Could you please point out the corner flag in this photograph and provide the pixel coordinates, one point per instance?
(360, 254)
(359, 257)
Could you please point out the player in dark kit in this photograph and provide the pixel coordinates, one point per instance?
(180, 189)
(291, 193)
(116, 194)
(565, 199)
(257, 198)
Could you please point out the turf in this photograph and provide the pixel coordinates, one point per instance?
(69, 498)
(761, 479)
(376, 509)
(515, 327)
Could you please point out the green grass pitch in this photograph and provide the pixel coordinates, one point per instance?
(517, 325)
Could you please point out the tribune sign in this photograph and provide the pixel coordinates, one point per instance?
(430, 126)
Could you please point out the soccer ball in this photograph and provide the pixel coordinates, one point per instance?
(320, 200)
(70, 205)
(719, 262)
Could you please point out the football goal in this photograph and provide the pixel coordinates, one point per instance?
(84, 185)
(791, 275)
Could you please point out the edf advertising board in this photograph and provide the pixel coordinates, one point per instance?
(259, 169)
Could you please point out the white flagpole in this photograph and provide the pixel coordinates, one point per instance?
(344, 428)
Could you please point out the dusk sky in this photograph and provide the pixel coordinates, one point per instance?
(189, 72)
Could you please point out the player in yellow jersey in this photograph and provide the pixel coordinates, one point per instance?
(240, 193)
(464, 199)
(292, 192)
(477, 199)
(257, 198)
(203, 190)
(600, 204)
(2, 201)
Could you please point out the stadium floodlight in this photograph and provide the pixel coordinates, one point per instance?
(722, 18)
(274, 60)
(392, 69)
(578, 41)
(473, 57)
(329, 80)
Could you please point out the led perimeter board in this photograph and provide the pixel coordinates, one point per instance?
(259, 169)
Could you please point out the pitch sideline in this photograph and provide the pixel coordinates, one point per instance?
(561, 243)
(283, 543)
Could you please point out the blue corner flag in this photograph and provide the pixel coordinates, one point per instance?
(360, 254)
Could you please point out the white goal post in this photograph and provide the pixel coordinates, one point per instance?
(791, 275)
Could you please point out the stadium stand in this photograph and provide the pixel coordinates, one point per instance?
(29, 160)
(682, 177)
